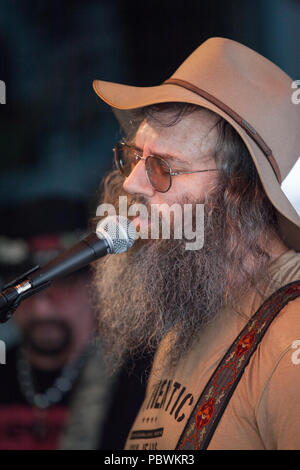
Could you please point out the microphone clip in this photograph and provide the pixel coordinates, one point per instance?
(10, 298)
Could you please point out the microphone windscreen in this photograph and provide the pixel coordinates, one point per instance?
(118, 231)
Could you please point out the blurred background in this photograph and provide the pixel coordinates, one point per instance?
(57, 136)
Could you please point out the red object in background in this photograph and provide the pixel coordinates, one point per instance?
(45, 242)
(25, 428)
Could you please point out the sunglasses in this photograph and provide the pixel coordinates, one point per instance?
(158, 171)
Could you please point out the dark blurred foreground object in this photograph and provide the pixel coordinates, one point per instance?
(43, 371)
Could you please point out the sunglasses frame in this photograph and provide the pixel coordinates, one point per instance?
(172, 171)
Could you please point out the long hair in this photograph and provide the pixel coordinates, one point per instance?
(183, 290)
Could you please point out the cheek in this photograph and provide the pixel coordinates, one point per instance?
(195, 186)
(24, 313)
(184, 189)
(21, 317)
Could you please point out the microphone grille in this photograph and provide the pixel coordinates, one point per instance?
(118, 231)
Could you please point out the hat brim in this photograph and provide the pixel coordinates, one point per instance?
(125, 98)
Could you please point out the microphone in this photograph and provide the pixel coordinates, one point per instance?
(114, 234)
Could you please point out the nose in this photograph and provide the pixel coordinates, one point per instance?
(43, 305)
(137, 182)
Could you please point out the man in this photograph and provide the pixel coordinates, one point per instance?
(43, 371)
(221, 132)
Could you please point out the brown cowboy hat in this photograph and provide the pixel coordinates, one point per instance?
(252, 94)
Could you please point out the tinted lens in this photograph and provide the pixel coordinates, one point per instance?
(158, 172)
(125, 159)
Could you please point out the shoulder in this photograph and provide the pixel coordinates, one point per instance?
(286, 268)
(286, 325)
(285, 328)
(278, 407)
(280, 342)
(280, 348)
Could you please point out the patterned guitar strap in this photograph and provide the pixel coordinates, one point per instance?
(211, 405)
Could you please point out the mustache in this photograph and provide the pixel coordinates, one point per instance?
(138, 199)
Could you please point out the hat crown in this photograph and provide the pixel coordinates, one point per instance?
(230, 59)
(254, 87)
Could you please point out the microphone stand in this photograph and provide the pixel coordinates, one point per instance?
(10, 297)
(37, 279)
(106, 240)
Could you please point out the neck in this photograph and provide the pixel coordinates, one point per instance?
(276, 247)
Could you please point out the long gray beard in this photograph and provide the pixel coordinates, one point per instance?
(156, 287)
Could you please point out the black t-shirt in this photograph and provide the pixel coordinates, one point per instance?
(23, 426)
(128, 394)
